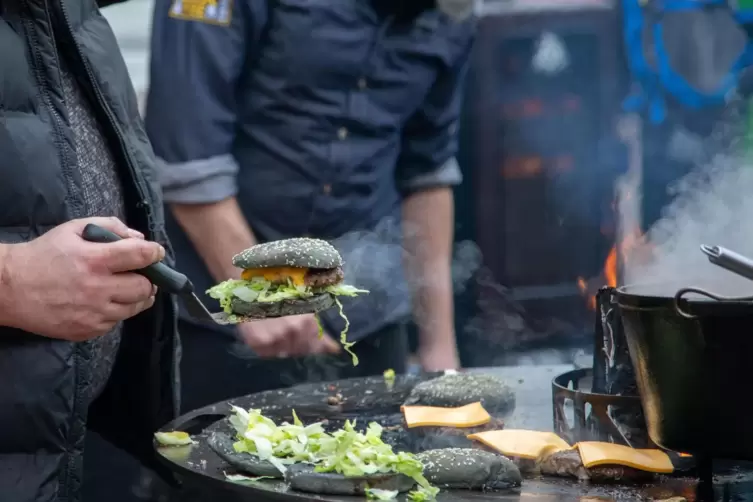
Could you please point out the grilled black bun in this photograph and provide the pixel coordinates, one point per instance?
(303, 478)
(469, 469)
(299, 252)
(263, 310)
(222, 445)
(437, 438)
(449, 391)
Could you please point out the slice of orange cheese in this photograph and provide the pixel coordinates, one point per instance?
(595, 453)
(522, 444)
(276, 274)
(471, 415)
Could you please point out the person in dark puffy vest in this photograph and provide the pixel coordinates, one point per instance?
(84, 342)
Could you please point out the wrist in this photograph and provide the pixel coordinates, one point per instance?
(6, 295)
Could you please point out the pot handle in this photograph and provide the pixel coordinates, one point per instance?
(679, 300)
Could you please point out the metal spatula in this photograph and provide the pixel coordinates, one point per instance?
(165, 278)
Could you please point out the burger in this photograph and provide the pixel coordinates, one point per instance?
(286, 277)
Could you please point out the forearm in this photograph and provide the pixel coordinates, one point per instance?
(428, 233)
(5, 308)
(218, 231)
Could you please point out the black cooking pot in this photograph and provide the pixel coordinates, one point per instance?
(693, 362)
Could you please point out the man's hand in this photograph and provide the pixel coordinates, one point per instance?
(61, 286)
(290, 336)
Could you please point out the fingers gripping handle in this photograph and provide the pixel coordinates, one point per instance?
(159, 274)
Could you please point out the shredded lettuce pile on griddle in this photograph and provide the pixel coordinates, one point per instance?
(261, 290)
(345, 451)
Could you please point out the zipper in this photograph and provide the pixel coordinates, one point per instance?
(56, 118)
(68, 472)
(143, 202)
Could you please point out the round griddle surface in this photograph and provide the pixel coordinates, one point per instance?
(371, 399)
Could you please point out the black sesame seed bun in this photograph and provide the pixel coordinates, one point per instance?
(299, 252)
(222, 445)
(263, 310)
(304, 478)
(460, 389)
(469, 469)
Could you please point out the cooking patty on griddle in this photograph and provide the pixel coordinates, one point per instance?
(436, 438)
(569, 464)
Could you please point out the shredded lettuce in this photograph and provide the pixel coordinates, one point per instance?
(260, 290)
(422, 494)
(257, 290)
(344, 333)
(173, 438)
(345, 451)
(377, 494)
(389, 378)
(352, 453)
(240, 478)
(280, 445)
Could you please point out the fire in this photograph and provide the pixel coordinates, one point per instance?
(620, 254)
(585, 290)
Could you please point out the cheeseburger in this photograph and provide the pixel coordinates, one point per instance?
(286, 277)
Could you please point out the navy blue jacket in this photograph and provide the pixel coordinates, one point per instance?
(319, 115)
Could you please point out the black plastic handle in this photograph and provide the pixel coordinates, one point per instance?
(159, 274)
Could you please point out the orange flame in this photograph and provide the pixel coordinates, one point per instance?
(618, 256)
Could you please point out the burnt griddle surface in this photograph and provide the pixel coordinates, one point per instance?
(202, 471)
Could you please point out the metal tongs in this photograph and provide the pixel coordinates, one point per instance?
(729, 260)
(166, 279)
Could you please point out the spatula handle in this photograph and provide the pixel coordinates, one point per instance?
(725, 258)
(159, 274)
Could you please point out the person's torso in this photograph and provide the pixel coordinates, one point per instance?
(324, 103)
(322, 110)
(64, 132)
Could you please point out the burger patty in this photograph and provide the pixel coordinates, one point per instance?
(322, 277)
(437, 438)
(569, 464)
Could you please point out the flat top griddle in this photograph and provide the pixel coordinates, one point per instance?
(365, 400)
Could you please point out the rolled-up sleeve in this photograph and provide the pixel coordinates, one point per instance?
(191, 106)
(430, 137)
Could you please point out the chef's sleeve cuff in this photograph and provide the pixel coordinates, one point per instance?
(201, 181)
(446, 175)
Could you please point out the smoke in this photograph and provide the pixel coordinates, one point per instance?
(710, 206)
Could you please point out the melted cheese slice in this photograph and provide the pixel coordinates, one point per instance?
(471, 415)
(277, 274)
(522, 444)
(595, 453)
